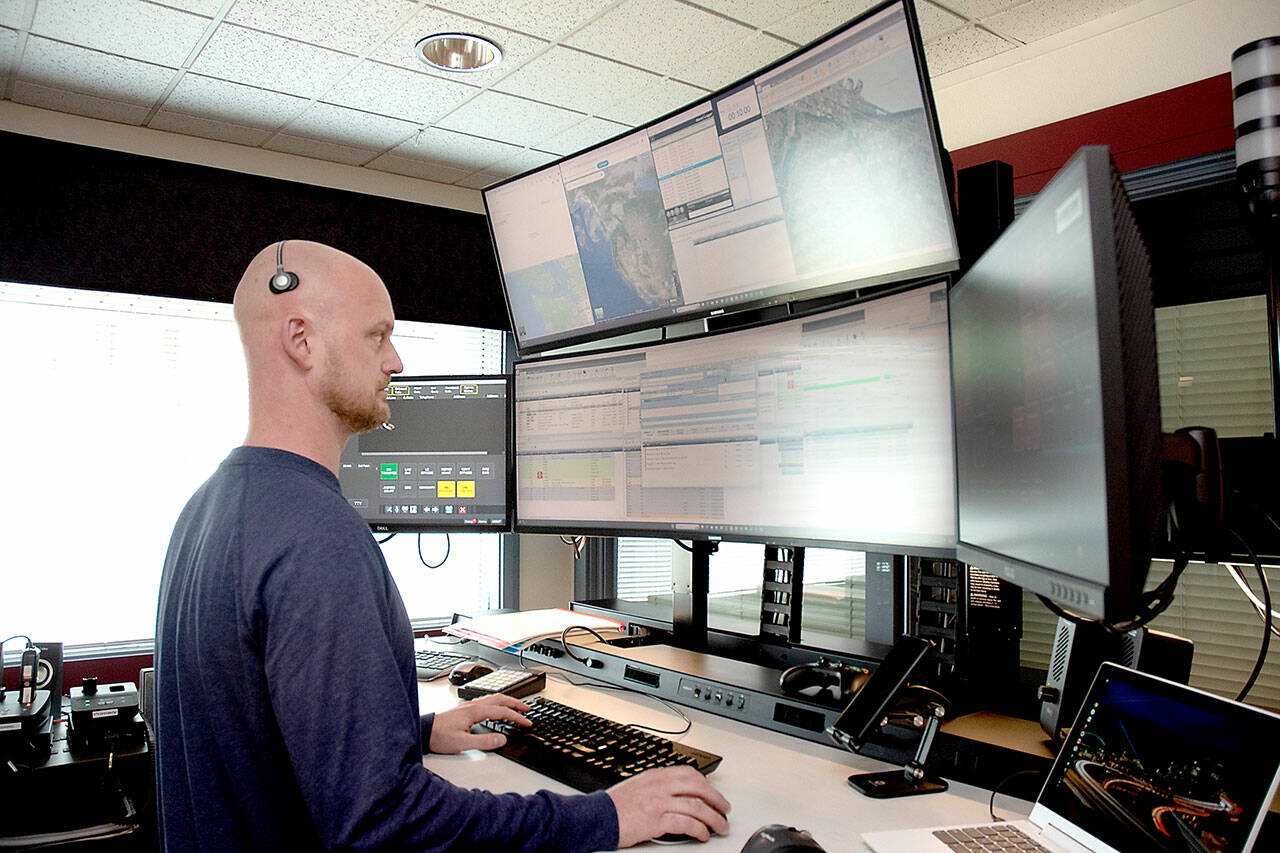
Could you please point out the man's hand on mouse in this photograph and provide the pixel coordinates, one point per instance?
(451, 731)
(668, 800)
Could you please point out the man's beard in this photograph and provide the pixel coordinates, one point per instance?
(356, 413)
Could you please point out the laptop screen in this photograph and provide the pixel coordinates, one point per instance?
(1153, 765)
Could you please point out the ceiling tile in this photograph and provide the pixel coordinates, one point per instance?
(965, 47)
(757, 13)
(665, 97)
(77, 103)
(355, 26)
(976, 10)
(409, 95)
(549, 19)
(1042, 18)
(399, 49)
(208, 8)
(456, 150)
(819, 19)
(582, 135)
(936, 22)
(351, 127)
(319, 149)
(203, 127)
(414, 168)
(77, 69)
(270, 62)
(576, 80)
(219, 100)
(627, 34)
(8, 44)
(129, 28)
(11, 15)
(522, 162)
(480, 180)
(507, 118)
(735, 62)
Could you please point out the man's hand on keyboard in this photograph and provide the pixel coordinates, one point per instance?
(669, 800)
(451, 731)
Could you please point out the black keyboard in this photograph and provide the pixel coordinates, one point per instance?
(588, 752)
(433, 664)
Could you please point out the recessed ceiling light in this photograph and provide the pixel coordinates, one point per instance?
(458, 52)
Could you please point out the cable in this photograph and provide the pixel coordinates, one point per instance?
(2, 642)
(991, 806)
(388, 539)
(448, 546)
(688, 548)
(595, 684)
(1152, 603)
(1237, 575)
(591, 663)
(1266, 622)
(578, 543)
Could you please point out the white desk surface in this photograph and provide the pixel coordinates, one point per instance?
(766, 776)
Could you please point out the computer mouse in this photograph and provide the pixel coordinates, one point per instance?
(776, 838)
(468, 670)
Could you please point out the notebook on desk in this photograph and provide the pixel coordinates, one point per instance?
(1148, 765)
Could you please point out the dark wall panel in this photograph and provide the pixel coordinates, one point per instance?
(86, 217)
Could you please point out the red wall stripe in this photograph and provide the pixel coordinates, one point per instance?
(1172, 125)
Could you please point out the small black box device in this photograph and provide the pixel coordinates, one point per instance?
(102, 714)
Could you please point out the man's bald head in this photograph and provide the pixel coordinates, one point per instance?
(318, 355)
(324, 274)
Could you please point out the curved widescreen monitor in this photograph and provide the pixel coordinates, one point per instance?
(441, 463)
(1058, 443)
(831, 429)
(818, 175)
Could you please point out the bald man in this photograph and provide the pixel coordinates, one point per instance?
(286, 692)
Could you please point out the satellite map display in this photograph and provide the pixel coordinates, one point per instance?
(620, 226)
(549, 298)
(850, 170)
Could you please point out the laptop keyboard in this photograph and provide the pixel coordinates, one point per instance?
(997, 836)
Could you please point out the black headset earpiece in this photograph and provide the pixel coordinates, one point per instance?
(283, 281)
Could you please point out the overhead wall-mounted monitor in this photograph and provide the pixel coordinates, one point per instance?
(832, 429)
(818, 175)
(441, 462)
(1058, 443)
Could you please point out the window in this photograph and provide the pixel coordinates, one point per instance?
(834, 586)
(1213, 366)
(119, 406)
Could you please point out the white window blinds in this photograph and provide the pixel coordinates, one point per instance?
(1213, 366)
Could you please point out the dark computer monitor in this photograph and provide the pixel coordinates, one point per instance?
(817, 175)
(831, 429)
(1057, 415)
(441, 463)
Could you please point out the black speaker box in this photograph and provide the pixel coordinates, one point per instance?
(49, 674)
(1078, 651)
(1156, 653)
(985, 199)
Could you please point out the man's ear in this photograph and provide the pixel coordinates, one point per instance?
(296, 333)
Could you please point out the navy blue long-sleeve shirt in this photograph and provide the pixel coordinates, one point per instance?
(286, 689)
